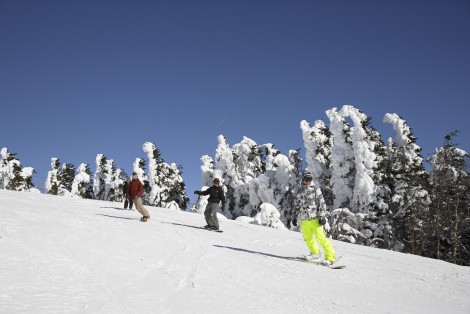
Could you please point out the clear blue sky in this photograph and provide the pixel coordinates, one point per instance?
(78, 78)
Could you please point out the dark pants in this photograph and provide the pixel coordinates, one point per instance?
(126, 202)
(211, 215)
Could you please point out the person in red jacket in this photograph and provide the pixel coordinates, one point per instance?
(134, 193)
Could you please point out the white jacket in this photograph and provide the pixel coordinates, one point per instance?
(309, 202)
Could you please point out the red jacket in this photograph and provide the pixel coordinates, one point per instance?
(134, 189)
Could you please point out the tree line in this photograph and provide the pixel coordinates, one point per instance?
(378, 194)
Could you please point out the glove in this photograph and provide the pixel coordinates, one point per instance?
(322, 220)
(196, 192)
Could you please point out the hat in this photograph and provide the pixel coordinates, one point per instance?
(216, 180)
(307, 175)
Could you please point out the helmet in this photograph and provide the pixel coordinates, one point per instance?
(216, 180)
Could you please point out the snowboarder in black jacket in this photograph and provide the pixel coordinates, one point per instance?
(124, 191)
(216, 195)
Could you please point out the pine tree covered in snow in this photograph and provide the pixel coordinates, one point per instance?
(165, 181)
(342, 160)
(370, 193)
(365, 163)
(66, 176)
(81, 181)
(410, 199)
(113, 182)
(99, 178)
(379, 219)
(449, 227)
(28, 185)
(248, 165)
(12, 175)
(207, 170)
(119, 178)
(53, 177)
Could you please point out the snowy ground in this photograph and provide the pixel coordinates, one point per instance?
(64, 255)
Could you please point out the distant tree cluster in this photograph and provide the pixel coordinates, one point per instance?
(378, 194)
(164, 185)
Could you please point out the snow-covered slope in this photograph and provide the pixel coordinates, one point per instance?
(66, 255)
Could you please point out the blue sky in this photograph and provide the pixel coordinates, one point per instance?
(78, 78)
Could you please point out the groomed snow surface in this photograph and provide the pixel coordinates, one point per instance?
(70, 255)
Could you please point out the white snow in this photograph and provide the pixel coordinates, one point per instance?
(70, 255)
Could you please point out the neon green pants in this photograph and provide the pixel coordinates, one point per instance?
(311, 228)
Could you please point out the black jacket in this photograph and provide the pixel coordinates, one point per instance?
(216, 194)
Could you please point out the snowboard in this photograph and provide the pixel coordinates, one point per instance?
(219, 231)
(322, 262)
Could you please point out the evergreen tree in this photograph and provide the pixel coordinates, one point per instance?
(119, 178)
(410, 200)
(27, 174)
(53, 177)
(342, 160)
(81, 181)
(99, 178)
(207, 170)
(450, 191)
(370, 194)
(365, 162)
(66, 176)
(112, 181)
(12, 175)
(248, 165)
(165, 181)
(380, 218)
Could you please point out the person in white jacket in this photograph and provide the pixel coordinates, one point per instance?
(310, 204)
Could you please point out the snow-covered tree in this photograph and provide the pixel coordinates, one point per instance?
(114, 180)
(248, 165)
(342, 160)
(99, 178)
(53, 177)
(449, 227)
(28, 185)
(65, 177)
(365, 162)
(119, 178)
(207, 170)
(410, 199)
(165, 181)
(81, 181)
(12, 175)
